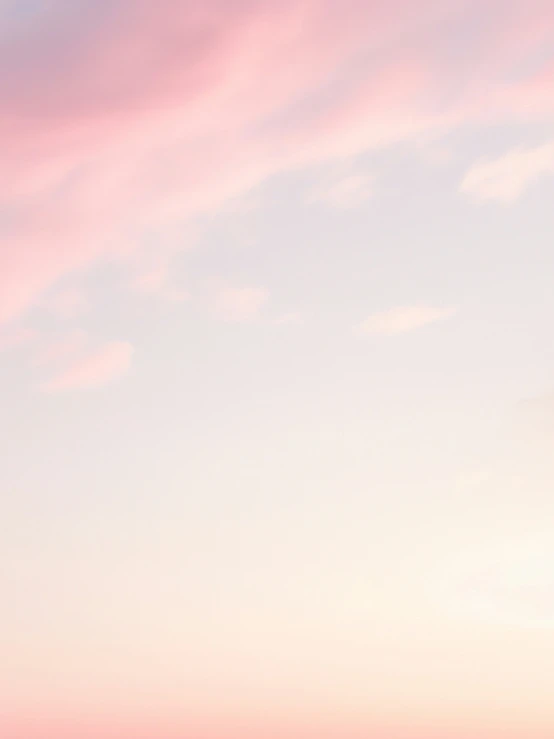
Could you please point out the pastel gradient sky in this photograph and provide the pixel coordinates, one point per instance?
(276, 369)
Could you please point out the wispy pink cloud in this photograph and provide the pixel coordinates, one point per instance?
(507, 177)
(403, 319)
(132, 115)
(95, 369)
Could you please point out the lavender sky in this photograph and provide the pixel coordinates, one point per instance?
(276, 369)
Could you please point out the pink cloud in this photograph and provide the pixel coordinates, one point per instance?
(95, 369)
(403, 319)
(506, 178)
(130, 115)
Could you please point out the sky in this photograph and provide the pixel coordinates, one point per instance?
(276, 369)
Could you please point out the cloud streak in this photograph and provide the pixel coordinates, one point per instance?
(402, 319)
(95, 369)
(506, 178)
(128, 117)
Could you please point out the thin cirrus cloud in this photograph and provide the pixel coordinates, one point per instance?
(93, 158)
(506, 178)
(402, 319)
(95, 369)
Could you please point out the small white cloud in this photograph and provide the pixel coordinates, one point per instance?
(350, 191)
(402, 319)
(506, 178)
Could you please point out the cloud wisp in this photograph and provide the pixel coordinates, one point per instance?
(403, 319)
(506, 178)
(94, 369)
(129, 117)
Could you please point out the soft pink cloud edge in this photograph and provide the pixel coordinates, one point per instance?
(94, 159)
(96, 368)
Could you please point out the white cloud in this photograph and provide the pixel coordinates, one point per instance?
(506, 178)
(403, 319)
